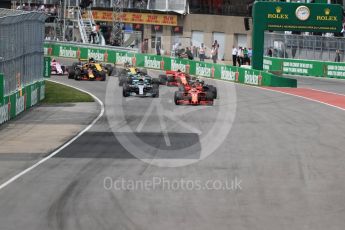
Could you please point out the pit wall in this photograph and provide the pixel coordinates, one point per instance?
(209, 70)
(305, 67)
(17, 102)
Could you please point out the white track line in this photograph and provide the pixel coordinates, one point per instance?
(324, 91)
(14, 178)
(321, 102)
(290, 94)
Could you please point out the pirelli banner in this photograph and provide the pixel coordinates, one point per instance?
(137, 18)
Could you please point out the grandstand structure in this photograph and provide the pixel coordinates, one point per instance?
(191, 22)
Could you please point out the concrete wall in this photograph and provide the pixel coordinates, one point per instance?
(230, 25)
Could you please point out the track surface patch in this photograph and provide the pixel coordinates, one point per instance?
(332, 99)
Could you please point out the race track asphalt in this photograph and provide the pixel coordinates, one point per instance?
(281, 157)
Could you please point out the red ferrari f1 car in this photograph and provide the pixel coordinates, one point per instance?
(195, 93)
(174, 78)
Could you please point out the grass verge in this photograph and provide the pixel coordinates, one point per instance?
(57, 93)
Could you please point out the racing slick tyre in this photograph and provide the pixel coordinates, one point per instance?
(209, 96)
(75, 64)
(77, 75)
(177, 97)
(143, 71)
(71, 73)
(125, 92)
(109, 69)
(155, 81)
(170, 79)
(122, 80)
(63, 68)
(103, 76)
(213, 89)
(181, 88)
(155, 91)
(163, 79)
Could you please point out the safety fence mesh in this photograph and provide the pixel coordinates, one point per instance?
(21, 47)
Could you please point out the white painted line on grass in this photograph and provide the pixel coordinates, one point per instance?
(14, 178)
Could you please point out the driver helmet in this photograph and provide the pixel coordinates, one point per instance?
(198, 80)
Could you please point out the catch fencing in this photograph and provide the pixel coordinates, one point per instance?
(306, 47)
(21, 50)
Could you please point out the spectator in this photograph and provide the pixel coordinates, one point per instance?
(337, 56)
(250, 54)
(195, 51)
(270, 53)
(189, 54)
(145, 46)
(93, 34)
(41, 8)
(240, 56)
(245, 56)
(214, 53)
(216, 46)
(202, 52)
(158, 48)
(175, 49)
(234, 55)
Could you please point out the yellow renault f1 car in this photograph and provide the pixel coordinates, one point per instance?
(127, 71)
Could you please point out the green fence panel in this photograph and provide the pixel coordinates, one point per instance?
(2, 89)
(151, 61)
(203, 69)
(176, 64)
(47, 67)
(4, 111)
(228, 73)
(305, 67)
(121, 57)
(334, 70)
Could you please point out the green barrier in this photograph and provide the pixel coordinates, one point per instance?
(204, 69)
(2, 89)
(17, 102)
(47, 67)
(305, 67)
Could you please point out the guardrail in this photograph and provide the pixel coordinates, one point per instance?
(210, 70)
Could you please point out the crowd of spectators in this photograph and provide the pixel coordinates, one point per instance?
(48, 9)
(127, 4)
